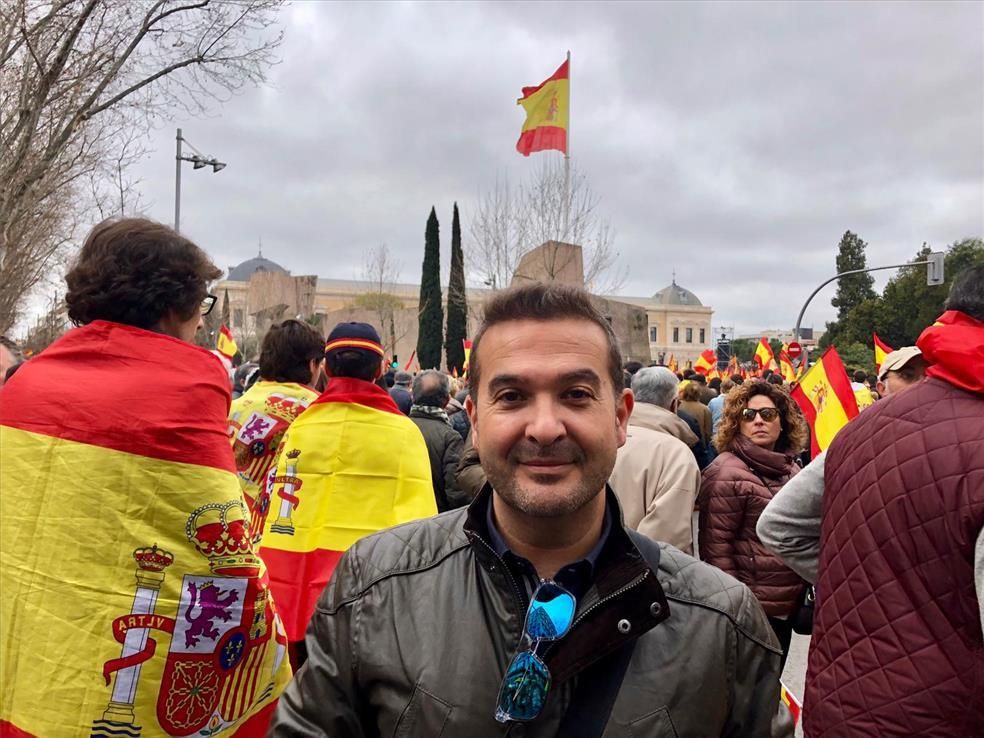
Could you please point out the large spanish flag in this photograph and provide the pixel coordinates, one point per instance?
(547, 109)
(352, 464)
(825, 396)
(706, 361)
(127, 577)
(882, 350)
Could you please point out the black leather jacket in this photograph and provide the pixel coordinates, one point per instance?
(413, 634)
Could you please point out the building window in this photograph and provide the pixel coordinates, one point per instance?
(237, 318)
(690, 335)
(701, 336)
(676, 335)
(652, 334)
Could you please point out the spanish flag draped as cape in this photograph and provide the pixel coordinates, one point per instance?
(352, 464)
(257, 423)
(127, 576)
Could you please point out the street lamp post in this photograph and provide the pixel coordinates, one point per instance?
(199, 161)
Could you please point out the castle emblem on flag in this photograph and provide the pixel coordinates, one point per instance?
(214, 671)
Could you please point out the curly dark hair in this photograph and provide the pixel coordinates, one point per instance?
(135, 271)
(792, 437)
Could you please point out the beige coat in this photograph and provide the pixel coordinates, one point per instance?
(656, 480)
(654, 417)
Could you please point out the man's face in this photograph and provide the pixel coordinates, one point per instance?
(547, 422)
(896, 381)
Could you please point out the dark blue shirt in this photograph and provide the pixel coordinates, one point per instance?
(575, 577)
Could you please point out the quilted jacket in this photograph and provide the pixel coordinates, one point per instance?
(897, 648)
(735, 489)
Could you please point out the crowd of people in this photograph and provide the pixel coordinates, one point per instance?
(562, 544)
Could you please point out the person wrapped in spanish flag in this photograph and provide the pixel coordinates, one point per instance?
(290, 364)
(129, 581)
(352, 464)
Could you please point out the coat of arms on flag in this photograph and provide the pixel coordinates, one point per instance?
(219, 634)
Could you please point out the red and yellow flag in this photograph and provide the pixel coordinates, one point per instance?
(764, 356)
(733, 367)
(225, 344)
(825, 396)
(467, 346)
(794, 706)
(257, 423)
(672, 364)
(882, 350)
(128, 578)
(706, 361)
(547, 109)
(352, 464)
(786, 367)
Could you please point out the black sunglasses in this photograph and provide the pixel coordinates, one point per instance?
(208, 303)
(768, 414)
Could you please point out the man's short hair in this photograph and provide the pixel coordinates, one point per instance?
(698, 377)
(736, 379)
(540, 302)
(403, 378)
(632, 366)
(431, 388)
(775, 379)
(288, 349)
(655, 385)
(967, 292)
(688, 373)
(135, 271)
(860, 375)
(715, 383)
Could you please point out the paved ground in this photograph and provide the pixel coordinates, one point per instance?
(795, 672)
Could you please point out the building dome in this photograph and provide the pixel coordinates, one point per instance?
(242, 272)
(674, 294)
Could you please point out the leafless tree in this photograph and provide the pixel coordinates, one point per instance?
(381, 273)
(48, 327)
(511, 221)
(80, 82)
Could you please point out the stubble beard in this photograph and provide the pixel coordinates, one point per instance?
(557, 503)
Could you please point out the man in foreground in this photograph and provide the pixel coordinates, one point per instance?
(429, 629)
(897, 644)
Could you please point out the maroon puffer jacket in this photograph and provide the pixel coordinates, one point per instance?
(735, 489)
(897, 647)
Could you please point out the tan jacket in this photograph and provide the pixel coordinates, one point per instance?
(654, 417)
(656, 480)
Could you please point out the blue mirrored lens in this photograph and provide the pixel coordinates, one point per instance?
(524, 690)
(551, 612)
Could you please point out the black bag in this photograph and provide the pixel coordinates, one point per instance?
(802, 618)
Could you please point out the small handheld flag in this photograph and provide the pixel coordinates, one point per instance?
(882, 350)
(225, 343)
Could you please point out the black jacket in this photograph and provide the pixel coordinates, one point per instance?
(444, 446)
(415, 630)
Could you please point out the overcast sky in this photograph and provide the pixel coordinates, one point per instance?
(732, 142)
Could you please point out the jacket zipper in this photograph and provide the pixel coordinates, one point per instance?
(512, 581)
(599, 603)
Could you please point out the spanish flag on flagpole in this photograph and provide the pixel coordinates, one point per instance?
(339, 478)
(128, 579)
(547, 109)
(225, 344)
(825, 396)
(882, 350)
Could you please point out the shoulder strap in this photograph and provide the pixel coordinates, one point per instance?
(598, 685)
(594, 695)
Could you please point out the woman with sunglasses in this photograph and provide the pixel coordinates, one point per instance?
(761, 432)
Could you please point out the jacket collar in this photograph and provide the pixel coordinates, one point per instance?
(761, 460)
(625, 590)
(654, 417)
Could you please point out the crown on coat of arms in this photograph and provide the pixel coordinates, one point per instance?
(220, 532)
(151, 558)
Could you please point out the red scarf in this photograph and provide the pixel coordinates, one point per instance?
(954, 348)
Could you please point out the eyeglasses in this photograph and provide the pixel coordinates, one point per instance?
(208, 303)
(768, 414)
(527, 681)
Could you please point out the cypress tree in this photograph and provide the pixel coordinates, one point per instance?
(457, 329)
(226, 312)
(430, 320)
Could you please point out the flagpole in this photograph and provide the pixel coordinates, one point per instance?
(567, 153)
